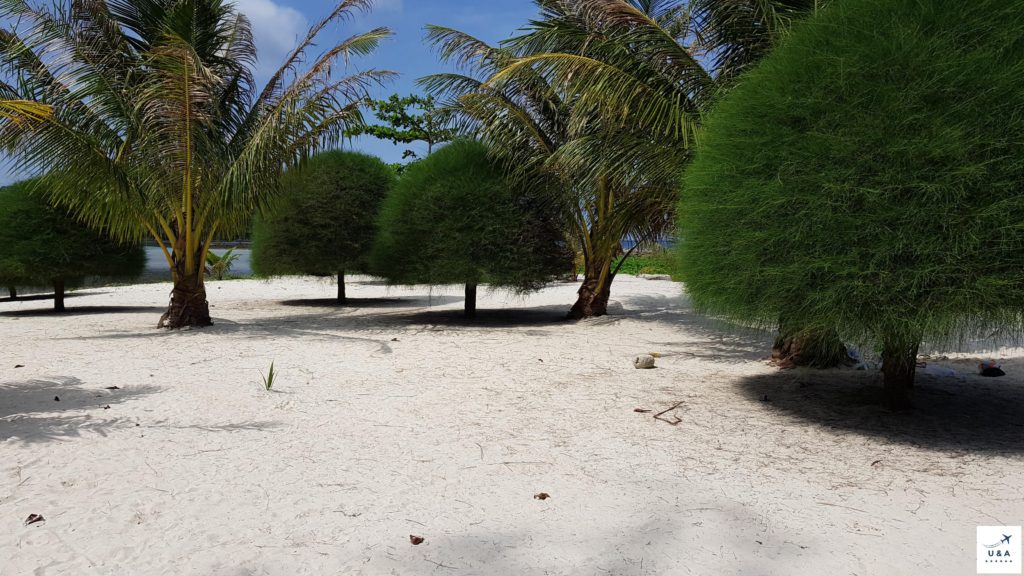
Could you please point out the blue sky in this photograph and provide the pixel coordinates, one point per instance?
(277, 25)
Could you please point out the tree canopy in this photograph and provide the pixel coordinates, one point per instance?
(44, 246)
(158, 128)
(527, 122)
(324, 224)
(455, 217)
(408, 119)
(867, 176)
(604, 96)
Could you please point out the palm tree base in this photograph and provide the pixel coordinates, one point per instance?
(592, 300)
(189, 307)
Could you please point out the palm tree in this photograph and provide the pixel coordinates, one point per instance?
(529, 123)
(651, 68)
(158, 130)
(640, 74)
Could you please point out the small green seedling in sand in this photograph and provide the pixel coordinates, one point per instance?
(269, 377)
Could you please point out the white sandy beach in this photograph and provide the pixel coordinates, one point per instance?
(395, 418)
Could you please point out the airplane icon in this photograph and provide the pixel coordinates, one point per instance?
(1005, 540)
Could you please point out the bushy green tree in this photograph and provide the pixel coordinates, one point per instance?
(324, 225)
(867, 176)
(455, 218)
(41, 245)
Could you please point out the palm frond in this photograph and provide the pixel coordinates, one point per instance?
(341, 11)
(156, 129)
(24, 110)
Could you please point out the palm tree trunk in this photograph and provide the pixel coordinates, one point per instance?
(899, 365)
(12, 292)
(189, 307)
(341, 287)
(600, 243)
(58, 295)
(593, 295)
(470, 300)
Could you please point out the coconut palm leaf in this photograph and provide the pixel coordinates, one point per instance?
(605, 97)
(157, 130)
(23, 110)
(736, 34)
(538, 130)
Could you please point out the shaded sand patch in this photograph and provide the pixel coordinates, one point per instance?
(400, 418)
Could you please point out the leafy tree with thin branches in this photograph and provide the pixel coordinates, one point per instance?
(406, 120)
(324, 225)
(867, 176)
(158, 129)
(44, 246)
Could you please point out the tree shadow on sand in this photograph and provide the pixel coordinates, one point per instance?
(487, 317)
(43, 294)
(29, 411)
(657, 545)
(83, 311)
(371, 302)
(972, 414)
(717, 340)
(388, 317)
(381, 329)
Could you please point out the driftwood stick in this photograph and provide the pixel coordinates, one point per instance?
(676, 420)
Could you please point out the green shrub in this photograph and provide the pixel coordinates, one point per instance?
(454, 218)
(42, 245)
(658, 262)
(867, 176)
(324, 224)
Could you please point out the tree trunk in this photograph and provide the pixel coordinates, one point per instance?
(188, 307)
(899, 365)
(470, 300)
(817, 348)
(593, 295)
(341, 287)
(58, 295)
(12, 292)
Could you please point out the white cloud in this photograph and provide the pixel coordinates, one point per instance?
(388, 6)
(276, 29)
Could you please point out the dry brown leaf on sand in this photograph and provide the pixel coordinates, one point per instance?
(416, 540)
